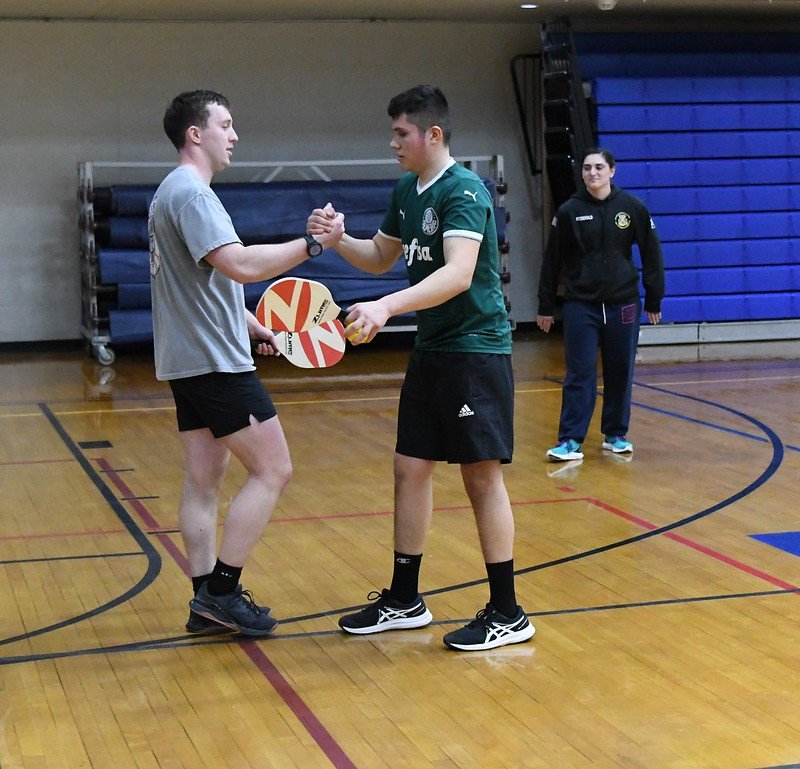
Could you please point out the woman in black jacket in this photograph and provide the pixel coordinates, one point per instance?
(590, 249)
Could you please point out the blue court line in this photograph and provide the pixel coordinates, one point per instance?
(704, 423)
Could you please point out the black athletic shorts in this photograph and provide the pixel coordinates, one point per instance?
(221, 402)
(457, 407)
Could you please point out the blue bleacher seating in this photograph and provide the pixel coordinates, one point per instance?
(706, 130)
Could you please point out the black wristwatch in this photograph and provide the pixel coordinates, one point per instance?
(313, 247)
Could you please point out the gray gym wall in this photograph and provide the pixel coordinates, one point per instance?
(74, 91)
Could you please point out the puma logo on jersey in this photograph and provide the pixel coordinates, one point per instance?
(403, 214)
(474, 195)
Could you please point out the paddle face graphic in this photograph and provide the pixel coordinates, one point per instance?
(318, 347)
(296, 304)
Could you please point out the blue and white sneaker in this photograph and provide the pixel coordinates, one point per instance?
(565, 451)
(618, 444)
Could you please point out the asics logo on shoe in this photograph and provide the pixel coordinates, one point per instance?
(499, 630)
(466, 411)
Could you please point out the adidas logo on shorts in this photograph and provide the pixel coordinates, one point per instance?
(466, 411)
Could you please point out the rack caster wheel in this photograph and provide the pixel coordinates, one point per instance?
(105, 355)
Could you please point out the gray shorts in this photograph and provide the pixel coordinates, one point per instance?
(457, 408)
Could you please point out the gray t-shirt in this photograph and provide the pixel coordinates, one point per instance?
(199, 322)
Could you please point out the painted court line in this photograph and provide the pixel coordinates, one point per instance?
(287, 693)
(686, 542)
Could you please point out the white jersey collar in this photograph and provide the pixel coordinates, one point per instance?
(436, 178)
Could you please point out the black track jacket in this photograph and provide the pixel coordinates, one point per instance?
(590, 246)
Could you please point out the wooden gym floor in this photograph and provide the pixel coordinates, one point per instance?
(667, 632)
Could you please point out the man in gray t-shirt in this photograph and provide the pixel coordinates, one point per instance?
(202, 334)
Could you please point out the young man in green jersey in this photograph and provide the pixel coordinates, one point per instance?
(457, 400)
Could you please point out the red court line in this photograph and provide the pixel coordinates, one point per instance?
(287, 693)
(318, 732)
(143, 513)
(680, 539)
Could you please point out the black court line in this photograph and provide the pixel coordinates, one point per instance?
(153, 558)
(50, 559)
(784, 766)
(183, 641)
(777, 458)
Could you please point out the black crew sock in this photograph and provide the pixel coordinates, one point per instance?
(197, 582)
(501, 587)
(224, 578)
(405, 577)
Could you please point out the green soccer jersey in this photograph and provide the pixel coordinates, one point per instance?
(456, 204)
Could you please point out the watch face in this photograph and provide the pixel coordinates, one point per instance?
(313, 247)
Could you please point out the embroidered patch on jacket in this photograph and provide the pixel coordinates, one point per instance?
(628, 313)
(622, 220)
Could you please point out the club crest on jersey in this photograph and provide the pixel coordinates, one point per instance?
(622, 220)
(430, 222)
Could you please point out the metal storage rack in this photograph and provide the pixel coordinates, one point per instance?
(94, 174)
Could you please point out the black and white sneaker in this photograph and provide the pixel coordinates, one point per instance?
(491, 629)
(235, 610)
(386, 614)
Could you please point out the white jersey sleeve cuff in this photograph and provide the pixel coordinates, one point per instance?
(464, 234)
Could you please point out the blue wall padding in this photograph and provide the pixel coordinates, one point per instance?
(680, 200)
(706, 130)
(708, 309)
(731, 253)
(688, 65)
(683, 43)
(712, 144)
(733, 280)
(696, 117)
(785, 224)
(679, 90)
(694, 173)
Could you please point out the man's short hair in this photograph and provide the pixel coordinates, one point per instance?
(424, 106)
(187, 109)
